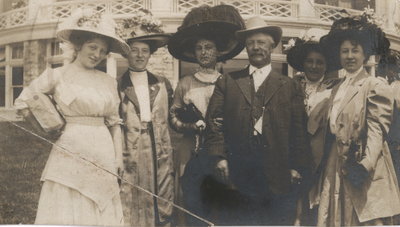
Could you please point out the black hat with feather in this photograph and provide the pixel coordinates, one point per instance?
(362, 28)
(218, 23)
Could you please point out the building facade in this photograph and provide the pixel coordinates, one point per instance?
(28, 44)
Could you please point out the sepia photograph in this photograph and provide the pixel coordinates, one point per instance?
(175, 113)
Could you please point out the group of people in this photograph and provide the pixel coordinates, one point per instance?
(256, 147)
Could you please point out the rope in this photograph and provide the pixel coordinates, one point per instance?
(107, 171)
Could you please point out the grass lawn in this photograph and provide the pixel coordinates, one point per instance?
(22, 159)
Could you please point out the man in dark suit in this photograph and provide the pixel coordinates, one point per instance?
(260, 149)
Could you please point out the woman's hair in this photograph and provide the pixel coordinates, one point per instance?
(78, 38)
(151, 44)
(365, 44)
(313, 48)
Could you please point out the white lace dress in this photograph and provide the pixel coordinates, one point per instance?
(75, 190)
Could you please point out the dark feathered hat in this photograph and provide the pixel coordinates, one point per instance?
(307, 42)
(360, 28)
(218, 23)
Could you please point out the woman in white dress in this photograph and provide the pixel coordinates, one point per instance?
(80, 178)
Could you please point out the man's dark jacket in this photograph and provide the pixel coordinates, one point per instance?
(283, 139)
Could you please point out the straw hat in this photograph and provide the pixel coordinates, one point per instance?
(218, 23)
(89, 21)
(360, 28)
(257, 24)
(308, 41)
(145, 28)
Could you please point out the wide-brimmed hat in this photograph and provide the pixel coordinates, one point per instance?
(308, 41)
(90, 21)
(218, 23)
(145, 28)
(257, 24)
(360, 28)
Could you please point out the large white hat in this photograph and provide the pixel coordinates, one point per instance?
(257, 24)
(90, 21)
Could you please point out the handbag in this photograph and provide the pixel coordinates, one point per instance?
(45, 112)
(189, 113)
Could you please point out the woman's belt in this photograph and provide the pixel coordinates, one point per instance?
(92, 121)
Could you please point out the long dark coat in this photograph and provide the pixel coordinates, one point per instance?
(283, 130)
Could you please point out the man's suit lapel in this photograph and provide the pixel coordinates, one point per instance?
(272, 84)
(128, 88)
(244, 83)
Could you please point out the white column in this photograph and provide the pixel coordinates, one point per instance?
(112, 65)
(306, 10)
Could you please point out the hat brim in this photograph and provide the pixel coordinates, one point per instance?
(156, 40)
(181, 44)
(274, 31)
(117, 45)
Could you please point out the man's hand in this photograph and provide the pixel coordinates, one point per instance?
(200, 124)
(222, 171)
(295, 177)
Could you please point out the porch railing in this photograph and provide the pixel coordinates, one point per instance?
(56, 11)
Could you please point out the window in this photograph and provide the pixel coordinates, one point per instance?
(2, 54)
(17, 81)
(55, 48)
(2, 86)
(54, 54)
(17, 51)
